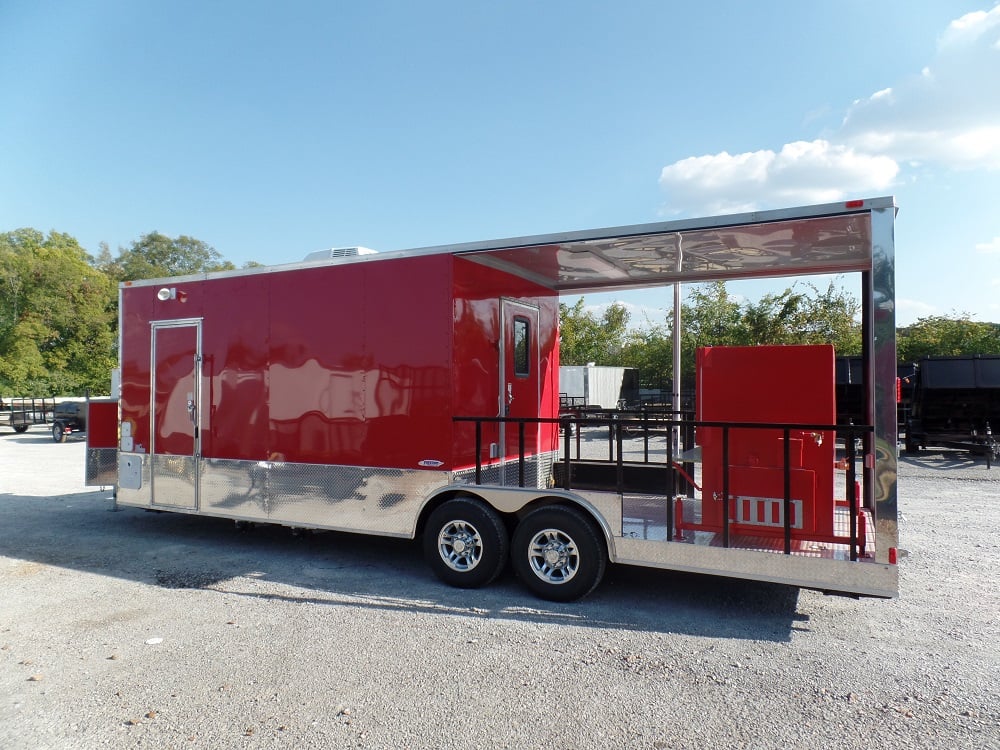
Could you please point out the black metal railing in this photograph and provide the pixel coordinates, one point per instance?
(679, 475)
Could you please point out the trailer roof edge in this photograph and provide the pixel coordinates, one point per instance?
(649, 254)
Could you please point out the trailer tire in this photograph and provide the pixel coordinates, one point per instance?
(558, 553)
(465, 543)
(20, 428)
(58, 433)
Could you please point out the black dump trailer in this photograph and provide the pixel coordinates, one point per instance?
(851, 393)
(849, 385)
(956, 404)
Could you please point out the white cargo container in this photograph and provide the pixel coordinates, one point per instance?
(598, 385)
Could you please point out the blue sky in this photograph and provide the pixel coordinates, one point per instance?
(270, 130)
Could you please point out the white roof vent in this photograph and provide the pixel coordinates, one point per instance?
(339, 252)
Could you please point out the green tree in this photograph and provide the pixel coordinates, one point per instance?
(650, 350)
(943, 335)
(802, 314)
(774, 319)
(56, 325)
(711, 316)
(833, 317)
(156, 255)
(583, 337)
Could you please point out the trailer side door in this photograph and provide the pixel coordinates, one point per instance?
(519, 382)
(175, 413)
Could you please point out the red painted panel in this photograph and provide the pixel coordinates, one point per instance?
(768, 384)
(135, 347)
(102, 424)
(477, 357)
(139, 308)
(410, 363)
(234, 368)
(360, 363)
(316, 365)
(478, 290)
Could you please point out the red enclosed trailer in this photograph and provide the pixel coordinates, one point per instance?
(416, 394)
(323, 395)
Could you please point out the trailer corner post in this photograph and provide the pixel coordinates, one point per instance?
(880, 486)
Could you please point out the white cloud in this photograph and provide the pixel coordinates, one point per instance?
(989, 247)
(944, 115)
(802, 172)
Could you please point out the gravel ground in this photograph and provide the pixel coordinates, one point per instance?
(135, 629)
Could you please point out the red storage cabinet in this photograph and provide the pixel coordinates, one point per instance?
(767, 385)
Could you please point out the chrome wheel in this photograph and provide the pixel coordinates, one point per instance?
(465, 542)
(460, 546)
(558, 553)
(553, 556)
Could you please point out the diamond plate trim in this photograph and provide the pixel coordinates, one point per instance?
(102, 467)
(537, 472)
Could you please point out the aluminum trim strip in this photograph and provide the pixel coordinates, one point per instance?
(867, 578)
(385, 502)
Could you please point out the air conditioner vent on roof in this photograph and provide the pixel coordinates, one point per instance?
(339, 252)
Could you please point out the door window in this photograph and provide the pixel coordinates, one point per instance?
(522, 346)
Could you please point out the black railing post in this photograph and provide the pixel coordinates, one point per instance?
(520, 453)
(688, 434)
(725, 487)
(567, 475)
(620, 467)
(479, 452)
(645, 435)
(852, 495)
(671, 482)
(788, 491)
(670, 464)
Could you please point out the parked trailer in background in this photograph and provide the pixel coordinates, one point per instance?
(851, 391)
(416, 394)
(956, 404)
(598, 386)
(20, 413)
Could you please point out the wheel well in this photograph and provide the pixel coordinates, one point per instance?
(585, 510)
(510, 519)
(544, 502)
(440, 499)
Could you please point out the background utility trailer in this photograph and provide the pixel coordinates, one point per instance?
(956, 404)
(598, 386)
(21, 413)
(415, 394)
